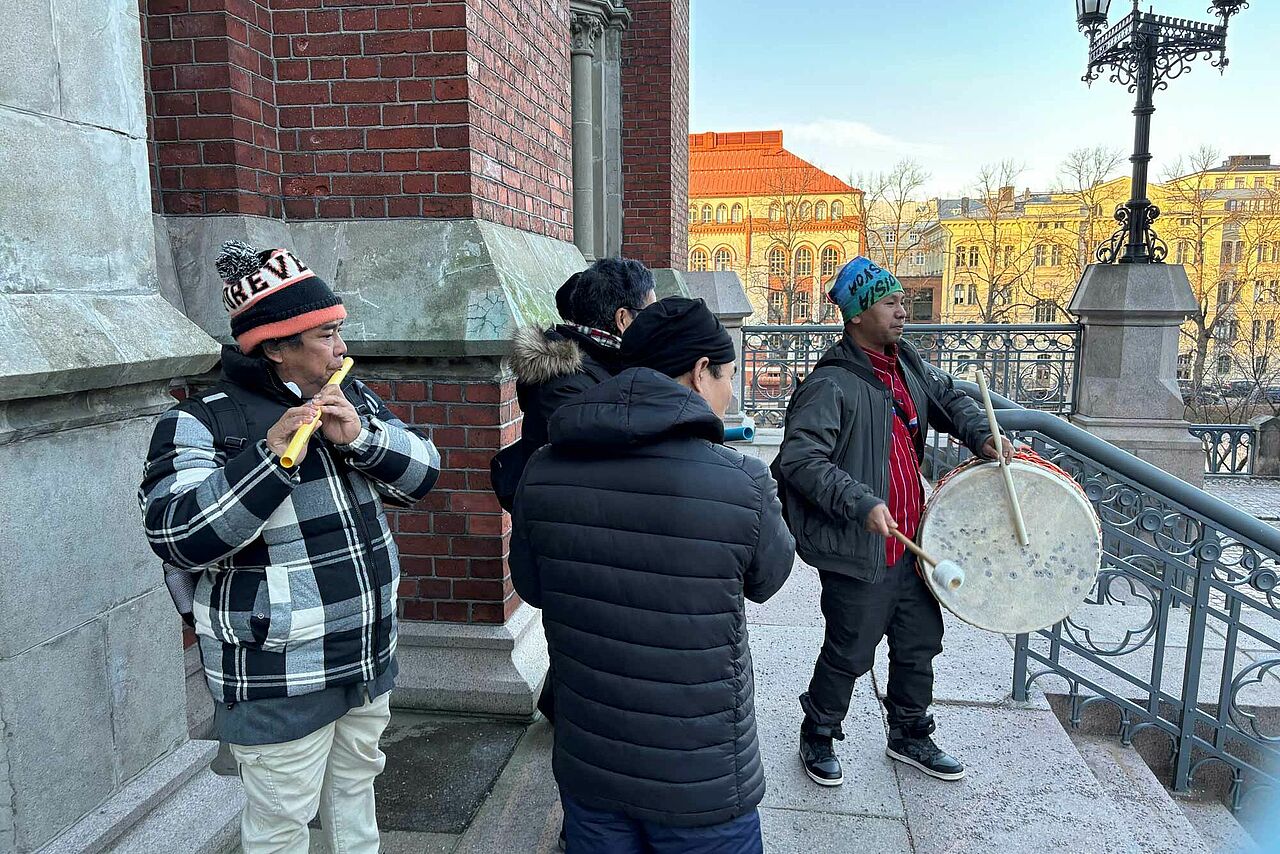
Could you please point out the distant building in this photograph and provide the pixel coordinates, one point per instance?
(781, 223)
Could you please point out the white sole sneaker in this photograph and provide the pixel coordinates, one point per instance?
(821, 781)
(907, 760)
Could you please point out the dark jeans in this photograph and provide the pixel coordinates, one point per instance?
(589, 831)
(858, 614)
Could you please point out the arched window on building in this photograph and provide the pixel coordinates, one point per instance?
(706, 213)
(791, 211)
(775, 213)
(973, 256)
(961, 254)
(806, 210)
(837, 210)
(693, 214)
(724, 258)
(722, 214)
(736, 214)
(777, 262)
(698, 260)
(830, 260)
(804, 261)
(820, 210)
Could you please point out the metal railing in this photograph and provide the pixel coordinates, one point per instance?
(1228, 448)
(1192, 652)
(1032, 364)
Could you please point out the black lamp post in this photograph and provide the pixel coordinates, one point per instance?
(1144, 51)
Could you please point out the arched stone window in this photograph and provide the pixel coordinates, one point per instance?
(820, 210)
(830, 260)
(804, 261)
(698, 260)
(775, 213)
(837, 210)
(724, 258)
(706, 213)
(722, 214)
(806, 210)
(736, 214)
(777, 261)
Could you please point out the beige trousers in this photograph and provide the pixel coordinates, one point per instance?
(330, 771)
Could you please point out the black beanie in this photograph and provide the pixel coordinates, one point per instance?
(564, 298)
(671, 335)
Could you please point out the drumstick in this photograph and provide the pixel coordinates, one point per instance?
(1019, 525)
(946, 572)
(290, 456)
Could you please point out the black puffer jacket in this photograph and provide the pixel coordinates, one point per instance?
(639, 534)
(552, 368)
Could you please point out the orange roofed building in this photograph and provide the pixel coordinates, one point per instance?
(781, 223)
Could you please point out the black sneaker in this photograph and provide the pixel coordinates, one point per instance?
(818, 753)
(913, 746)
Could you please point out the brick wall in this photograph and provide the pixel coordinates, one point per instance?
(655, 128)
(324, 109)
(453, 545)
(211, 106)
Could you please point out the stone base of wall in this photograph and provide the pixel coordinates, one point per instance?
(1164, 444)
(473, 669)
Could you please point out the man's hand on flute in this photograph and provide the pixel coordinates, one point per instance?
(282, 431)
(341, 423)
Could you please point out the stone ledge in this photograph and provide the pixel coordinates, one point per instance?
(412, 287)
(63, 343)
(472, 669)
(99, 829)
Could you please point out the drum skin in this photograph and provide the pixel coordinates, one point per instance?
(1010, 588)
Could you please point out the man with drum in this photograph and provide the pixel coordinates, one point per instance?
(850, 462)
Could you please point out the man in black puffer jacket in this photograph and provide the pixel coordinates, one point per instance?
(639, 534)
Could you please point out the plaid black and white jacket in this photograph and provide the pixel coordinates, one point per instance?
(297, 569)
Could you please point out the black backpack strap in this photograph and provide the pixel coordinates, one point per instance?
(226, 418)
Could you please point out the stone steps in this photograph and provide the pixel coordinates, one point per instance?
(1156, 821)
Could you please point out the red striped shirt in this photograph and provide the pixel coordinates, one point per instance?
(906, 499)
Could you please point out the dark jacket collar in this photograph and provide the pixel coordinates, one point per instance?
(638, 406)
(255, 374)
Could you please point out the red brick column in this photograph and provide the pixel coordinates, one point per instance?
(362, 110)
(453, 546)
(655, 133)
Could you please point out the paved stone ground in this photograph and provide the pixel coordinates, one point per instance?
(1259, 496)
(1029, 789)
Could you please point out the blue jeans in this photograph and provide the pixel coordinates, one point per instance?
(589, 831)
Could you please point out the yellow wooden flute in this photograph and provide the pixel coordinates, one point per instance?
(299, 441)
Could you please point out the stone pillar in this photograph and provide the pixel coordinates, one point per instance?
(586, 31)
(1126, 381)
(91, 668)
(725, 295)
(1266, 447)
(655, 133)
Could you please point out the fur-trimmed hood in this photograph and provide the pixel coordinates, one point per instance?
(539, 356)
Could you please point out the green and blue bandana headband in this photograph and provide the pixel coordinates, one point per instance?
(859, 285)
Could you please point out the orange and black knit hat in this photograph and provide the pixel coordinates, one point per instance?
(271, 294)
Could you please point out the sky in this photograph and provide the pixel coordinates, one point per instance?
(857, 85)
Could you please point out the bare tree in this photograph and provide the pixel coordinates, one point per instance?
(994, 256)
(787, 276)
(895, 214)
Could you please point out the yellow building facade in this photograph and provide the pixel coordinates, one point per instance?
(782, 224)
(1016, 258)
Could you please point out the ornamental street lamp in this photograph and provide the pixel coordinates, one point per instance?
(1144, 51)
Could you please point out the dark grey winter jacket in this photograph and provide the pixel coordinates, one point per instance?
(639, 535)
(552, 368)
(835, 409)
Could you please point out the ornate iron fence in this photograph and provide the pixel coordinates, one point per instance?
(1228, 448)
(1032, 364)
(1182, 633)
